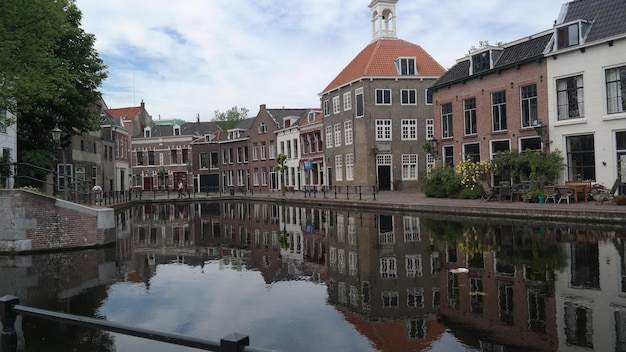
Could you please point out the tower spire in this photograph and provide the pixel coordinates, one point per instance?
(383, 18)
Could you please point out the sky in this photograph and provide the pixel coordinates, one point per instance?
(189, 58)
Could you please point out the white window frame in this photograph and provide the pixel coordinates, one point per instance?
(383, 96)
(347, 131)
(329, 136)
(326, 107)
(615, 82)
(408, 96)
(347, 101)
(409, 166)
(406, 66)
(430, 129)
(337, 128)
(350, 167)
(383, 129)
(338, 168)
(409, 129)
(359, 99)
(336, 105)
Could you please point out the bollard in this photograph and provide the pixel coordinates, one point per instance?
(8, 337)
(234, 342)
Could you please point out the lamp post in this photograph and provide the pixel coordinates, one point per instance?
(56, 137)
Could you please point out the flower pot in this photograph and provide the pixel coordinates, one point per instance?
(541, 199)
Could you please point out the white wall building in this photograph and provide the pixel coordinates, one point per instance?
(586, 65)
(8, 144)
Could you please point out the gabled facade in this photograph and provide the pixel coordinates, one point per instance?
(377, 110)
(161, 158)
(586, 62)
(312, 161)
(490, 101)
(289, 143)
(135, 119)
(234, 153)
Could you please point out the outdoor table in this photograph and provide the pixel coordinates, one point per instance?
(579, 187)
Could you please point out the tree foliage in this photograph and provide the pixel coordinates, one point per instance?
(482, 44)
(230, 119)
(49, 71)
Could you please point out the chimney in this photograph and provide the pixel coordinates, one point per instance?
(198, 118)
(262, 107)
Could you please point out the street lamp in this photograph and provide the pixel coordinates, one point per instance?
(539, 128)
(56, 136)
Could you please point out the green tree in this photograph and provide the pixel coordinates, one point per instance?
(230, 118)
(50, 73)
(281, 166)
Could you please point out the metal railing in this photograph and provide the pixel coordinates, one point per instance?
(10, 309)
(341, 192)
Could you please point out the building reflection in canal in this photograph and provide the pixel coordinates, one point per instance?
(390, 276)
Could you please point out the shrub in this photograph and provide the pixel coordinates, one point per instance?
(442, 183)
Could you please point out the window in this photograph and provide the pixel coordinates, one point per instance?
(428, 96)
(263, 151)
(255, 176)
(448, 155)
(446, 120)
(409, 130)
(337, 134)
(349, 167)
(413, 265)
(264, 176)
(329, 136)
(204, 160)
(358, 94)
(383, 96)
(581, 159)
(569, 97)
(347, 101)
(408, 96)
(214, 160)
(185, 153)
(498, 108)
(528, 97)
(616, 90)
(272, 150)
(336, 105)
(338, 168)
(388, 268)
(383, 130)
(326, 108)
(481, 62)
(139, 157)
(239, 155)
(174, 156)
(255, 151)
(430, 129)
(409, 166)
(405, 66)
(469, 111)
(262, 127)
(347, 131)
(151, 157)
(567, 36)
(471, 151)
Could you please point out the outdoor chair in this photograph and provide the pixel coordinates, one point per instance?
(604, 195)
(565, 193)
(486, 191)
(551, 193)
(505, 191)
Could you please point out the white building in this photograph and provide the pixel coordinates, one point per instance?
(288, 141)
(586, 65)
(8, 143)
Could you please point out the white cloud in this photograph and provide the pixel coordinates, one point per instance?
(191, 57)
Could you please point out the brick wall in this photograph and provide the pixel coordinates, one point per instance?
(35, 222)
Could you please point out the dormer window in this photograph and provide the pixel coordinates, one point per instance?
(177, 130)
(484, 60)
(262, 128)
(312, 116)
(146, 132)
(572, 34)
(406, 66)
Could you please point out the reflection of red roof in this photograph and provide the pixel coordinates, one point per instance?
(134, 277)
(391, 336)
(377, 59)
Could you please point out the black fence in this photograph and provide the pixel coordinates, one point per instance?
(10, 309)
(341, 192)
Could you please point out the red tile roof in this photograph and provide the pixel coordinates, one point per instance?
(377, 59)
(126, 113)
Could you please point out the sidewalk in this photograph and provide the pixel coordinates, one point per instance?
(582, 212)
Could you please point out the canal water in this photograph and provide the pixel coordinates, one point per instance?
(320, 279)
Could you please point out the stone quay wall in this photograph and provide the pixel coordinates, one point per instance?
(32, 222)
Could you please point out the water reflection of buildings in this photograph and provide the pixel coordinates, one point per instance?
(383, 279)
(281, 242)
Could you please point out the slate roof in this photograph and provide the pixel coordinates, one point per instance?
(512, 55)
(279, 114)
(186, 129)
(377, 59)
(608, 17)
